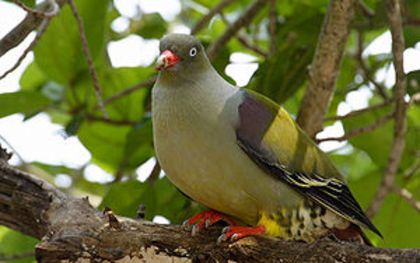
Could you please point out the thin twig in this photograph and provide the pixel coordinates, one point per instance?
(53, 10)
(359, 112)
(412, 21)
(359, 130)
(222, 5)
(110, 121)
(410, 172)
(366, 10)
(13, 149)
(88, 57)
(394, 16)
(26, 254)
(246, 43)
(246, 18)
(366, 72)
(272, 26)
(154, 174)
(125, 92)
(21, 31)
(405, 194)
(41, 31)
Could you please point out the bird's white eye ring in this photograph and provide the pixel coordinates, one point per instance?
(193, 52)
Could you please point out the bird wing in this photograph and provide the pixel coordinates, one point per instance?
(271, 138)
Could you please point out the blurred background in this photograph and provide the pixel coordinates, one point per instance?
(50, 121)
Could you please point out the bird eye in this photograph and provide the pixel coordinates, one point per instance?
(193, 52)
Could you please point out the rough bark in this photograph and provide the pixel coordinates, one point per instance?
(26, 26)
(325, 66)
(71, 230)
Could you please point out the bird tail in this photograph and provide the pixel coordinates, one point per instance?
(352, 233)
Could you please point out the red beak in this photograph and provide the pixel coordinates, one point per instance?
(167, 60)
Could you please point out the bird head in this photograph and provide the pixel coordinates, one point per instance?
(180, 51)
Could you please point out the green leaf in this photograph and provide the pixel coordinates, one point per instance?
(124, 198)
(13, 242)
(117, 148)
(139, 144)
(59, 52)
(411, 35)
(53, 169)
(81, 184)
(73, 125)
(22, 102)
(413, 81)
(118, 79)
(280, 76)
(161, 198)
(149, 26)
(28, 3)
(354, 165)
(411, 32)
(32, 78)
(383, 136)
(369, 141)
(105, 142)
(396, 219)
(112, 81)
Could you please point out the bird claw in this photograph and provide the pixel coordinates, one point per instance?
(185, 223)
(225, 229)
(207, 223)
(205, 219)
(195, 230)
(221, 238)
(233, 233)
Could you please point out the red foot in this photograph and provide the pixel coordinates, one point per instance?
(206, 219)
(233, 233)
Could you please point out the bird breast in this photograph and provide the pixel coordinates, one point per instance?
(196, 145)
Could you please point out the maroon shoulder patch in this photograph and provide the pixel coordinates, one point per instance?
(254, 120)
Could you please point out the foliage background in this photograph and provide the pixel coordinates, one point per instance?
(58, 83)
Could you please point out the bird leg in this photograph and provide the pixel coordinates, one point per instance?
(233, 233)
(205, 219)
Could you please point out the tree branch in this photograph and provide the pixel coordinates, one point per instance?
(359, 130)
(366, 72)
(88, 56)
(359, 112)
(110, 121)
(54, 9)
(29, 23)
(200, 25)
(272, 26)
(325, 67)
(405, 194)
(42, 28)
(144, 84)
(246, 18)
(71, 229)
(243, 39)
(394, 16)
